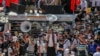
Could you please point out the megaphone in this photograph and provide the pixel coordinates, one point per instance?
(25, 26)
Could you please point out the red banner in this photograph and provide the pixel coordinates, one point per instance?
(0, 2)
(72, 5)
(8, 2)
(15, 1)
(78, 2)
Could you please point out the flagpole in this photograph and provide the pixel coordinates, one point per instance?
(3, 3)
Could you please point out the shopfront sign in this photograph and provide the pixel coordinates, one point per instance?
(60, 17)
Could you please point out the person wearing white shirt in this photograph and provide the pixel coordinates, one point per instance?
(10, 51)
(41, 46)
(74, 46)
(30, 47)
(83, 4)
(93, 4)
(14, 38)
(74, 43)
(97, 2)
(66, 47)
(67, 44)
(98, 52)
(98, 5)
(51, 39)
(60, 49)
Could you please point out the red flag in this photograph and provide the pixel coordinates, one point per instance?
(8, 2)
(78, 2)
(15, 1)
(0, 2)
(73, 2)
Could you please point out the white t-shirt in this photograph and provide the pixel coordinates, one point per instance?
(14, 38)
(93, 3)
(89, 36)
(66, 44)
(50, 43)
(30, 47)
(42, 46)
(9, 51)
(84, 4)
(97, 2)
(96, 54)
(75, 42)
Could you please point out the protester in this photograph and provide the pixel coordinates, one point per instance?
(30, 48)
(97, 53)
(41, 46)
(51, 42)
(60, 50)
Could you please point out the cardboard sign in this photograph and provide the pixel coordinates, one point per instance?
(88, 10)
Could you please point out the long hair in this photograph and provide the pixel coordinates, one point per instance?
(50, 30)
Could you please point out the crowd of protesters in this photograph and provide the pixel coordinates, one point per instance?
(80, 39)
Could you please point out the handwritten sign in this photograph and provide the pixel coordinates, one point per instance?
(88, 10)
